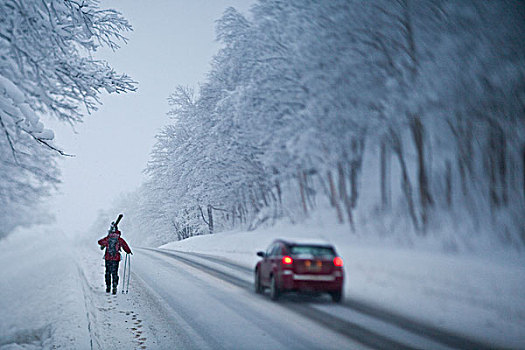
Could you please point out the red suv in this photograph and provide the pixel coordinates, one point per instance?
(299, 267)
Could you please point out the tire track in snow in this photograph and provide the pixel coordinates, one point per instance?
(344, 327)
(221, 261)
(433, 333)
(249, 315)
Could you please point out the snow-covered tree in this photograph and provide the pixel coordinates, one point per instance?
(47, 70)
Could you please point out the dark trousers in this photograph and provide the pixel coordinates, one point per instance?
(112, 272)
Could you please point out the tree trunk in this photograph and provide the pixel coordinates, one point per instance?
(462, 174)
(348, 207)
(354, 171)
(358, 148)
(343, 195)
(523, 168)
(385, 176)
(333, 198)
(308, 192)
(242, 207)
(448, 183)
(242, 218)
(279, 191)
(263, 194)
(492, 174)
(405, 179)
(210, 219)
(255, 203)
(426, 201)
(501, 152)
(463, 133)
(407, 189)
(301, 190)
(342, 181)
(496, 161)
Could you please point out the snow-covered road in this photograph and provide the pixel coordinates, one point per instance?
(207, 291)
(216, 314)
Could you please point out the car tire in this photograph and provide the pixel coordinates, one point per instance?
(274, 290)
(337, 296)
(258, 287)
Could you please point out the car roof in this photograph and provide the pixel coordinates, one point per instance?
(301, 241)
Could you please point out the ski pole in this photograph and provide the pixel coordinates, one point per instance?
(129, 273)
(124, 275)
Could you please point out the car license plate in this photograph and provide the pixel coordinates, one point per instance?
(313, 266)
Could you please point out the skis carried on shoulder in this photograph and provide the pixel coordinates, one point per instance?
(120, 216)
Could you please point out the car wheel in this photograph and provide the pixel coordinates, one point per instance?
(258, 286)
(337, 296)
(274, 290)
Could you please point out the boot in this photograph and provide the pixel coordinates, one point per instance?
(114, 290)
(108, 289)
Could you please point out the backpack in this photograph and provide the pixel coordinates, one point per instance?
(113, 244)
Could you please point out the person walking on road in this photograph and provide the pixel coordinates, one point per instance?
(113, 242)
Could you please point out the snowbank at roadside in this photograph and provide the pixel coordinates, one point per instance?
(478, 296)
(41, 299)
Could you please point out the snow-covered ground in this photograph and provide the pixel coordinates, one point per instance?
(52, 296)
(52, 291)
(477, 296)
(41, 299)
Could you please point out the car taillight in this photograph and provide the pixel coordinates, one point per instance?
(338, 261)
(287, 260)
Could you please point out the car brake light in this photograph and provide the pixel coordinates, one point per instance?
(287, 260)
(338, 261)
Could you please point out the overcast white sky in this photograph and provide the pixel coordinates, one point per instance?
(172, 44)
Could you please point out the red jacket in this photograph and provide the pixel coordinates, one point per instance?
(121, 244)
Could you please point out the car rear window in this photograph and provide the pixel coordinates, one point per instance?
(311, 250)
